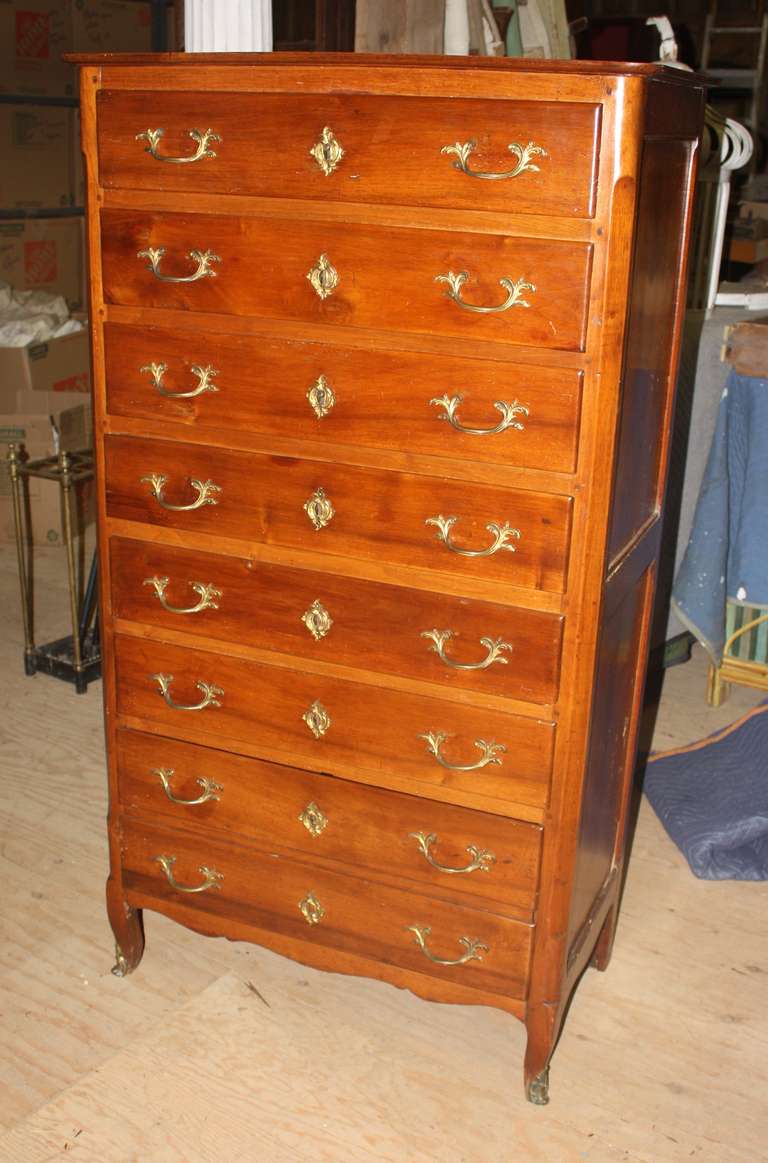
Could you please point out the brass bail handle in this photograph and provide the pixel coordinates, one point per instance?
(201, 138)
(523, 155)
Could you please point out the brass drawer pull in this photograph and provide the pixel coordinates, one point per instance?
(208, 594)
(514, 289)
(494, 646)
(210, 789)
(204, 377)
(481, 860)
(521, 153)
(502, 535)
(474, 948)
(203, 258)
(204, 489)
(489, 752)
(327, 152)
(508, 414)
(212, 878)
(152, 137)
(209, 693)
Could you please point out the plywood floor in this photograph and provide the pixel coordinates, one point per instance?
(225, 1053)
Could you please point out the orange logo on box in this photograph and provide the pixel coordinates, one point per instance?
(33, 36)
(72, 384)
(40, 265)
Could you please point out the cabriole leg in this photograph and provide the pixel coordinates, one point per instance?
(541, 1043)
(127, 928)
(537, 1088)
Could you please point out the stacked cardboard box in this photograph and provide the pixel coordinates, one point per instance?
(34, 378)
(36, 150)
(34, 34)
(110, 25)
(41, 165)
(41, 169)
(44, 254)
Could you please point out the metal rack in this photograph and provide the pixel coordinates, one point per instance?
(76, 658)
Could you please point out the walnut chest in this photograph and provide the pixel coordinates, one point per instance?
(384, 354)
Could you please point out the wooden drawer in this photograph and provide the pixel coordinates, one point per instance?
(326, 617)
(387, 276)
(362, 513)
(393, 148)
(329, 820)
(333, 725)
(350, 913)
(322, 392)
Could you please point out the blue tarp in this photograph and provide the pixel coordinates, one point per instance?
(727, 554)
(712, 798)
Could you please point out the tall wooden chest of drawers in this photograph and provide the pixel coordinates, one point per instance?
(384, 353)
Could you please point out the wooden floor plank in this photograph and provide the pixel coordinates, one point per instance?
(214, 1051)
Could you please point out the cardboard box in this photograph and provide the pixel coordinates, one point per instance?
(35, 157)
(35, 433)
(33, 35)
(51, 371)
(43, 254)
(111, 26)
(75, 425)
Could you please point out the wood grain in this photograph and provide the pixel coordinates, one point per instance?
(374, 627)
(380, 516)
(392, 149)
(367, 830)
(356, 915)
(381, 398)
(386, 275)
(374, 732)
(649, 377)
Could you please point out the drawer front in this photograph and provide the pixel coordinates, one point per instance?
(328, 724)
(453, 642)
(396, 150)
(517, 536)
(385, 278)
(444, 850)
(349, 913)
(480, 410)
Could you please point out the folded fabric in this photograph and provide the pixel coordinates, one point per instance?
(712, 798)
(727, 553)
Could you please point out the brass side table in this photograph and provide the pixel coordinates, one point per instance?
(75, 658)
